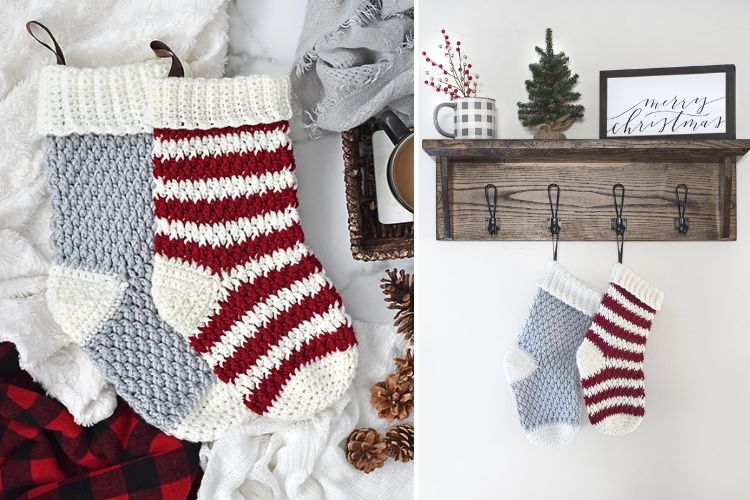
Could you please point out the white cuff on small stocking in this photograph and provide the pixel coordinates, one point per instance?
(634, 284)
(560, 283)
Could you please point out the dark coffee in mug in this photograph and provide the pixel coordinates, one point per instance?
(400, 171)
(403, 172)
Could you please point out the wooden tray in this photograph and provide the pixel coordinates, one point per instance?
(370, 240)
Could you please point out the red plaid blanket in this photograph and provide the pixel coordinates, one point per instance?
(45, 454)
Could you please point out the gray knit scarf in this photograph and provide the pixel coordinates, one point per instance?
(354, 58)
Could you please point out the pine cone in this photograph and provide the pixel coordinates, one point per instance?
(404, 323)
(405, 366)
(366, 450)
(398, 288)
(393, 398)
(399, 441)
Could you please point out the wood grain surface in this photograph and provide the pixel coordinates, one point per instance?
(586, 202)
(587, 149)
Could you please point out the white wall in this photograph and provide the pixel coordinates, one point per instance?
(695, 440)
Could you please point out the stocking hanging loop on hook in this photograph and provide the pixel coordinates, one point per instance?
(161, 49)
(491, 224)
(554, 222)
(618, 223)
(59, 56)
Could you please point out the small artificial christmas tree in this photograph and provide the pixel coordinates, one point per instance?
(550, 109)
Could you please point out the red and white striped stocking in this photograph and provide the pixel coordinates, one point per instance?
(231, 271)
(610, 359)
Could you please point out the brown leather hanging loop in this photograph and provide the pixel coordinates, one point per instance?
(56, 50)
(161, 49)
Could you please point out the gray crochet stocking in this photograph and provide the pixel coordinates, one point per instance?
(99, 160)
(541, 366)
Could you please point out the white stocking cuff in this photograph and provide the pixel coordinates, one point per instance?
(559, 282)
(634, 284)
(104, 100)
(201, 103)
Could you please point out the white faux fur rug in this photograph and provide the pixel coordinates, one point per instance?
(272, 460)
(91, 33)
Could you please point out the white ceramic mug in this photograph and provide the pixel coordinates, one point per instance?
(473, 118)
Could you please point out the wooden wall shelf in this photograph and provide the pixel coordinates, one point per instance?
(586, 170)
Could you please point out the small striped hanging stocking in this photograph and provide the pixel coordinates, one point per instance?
(231, 272)
(610, 359)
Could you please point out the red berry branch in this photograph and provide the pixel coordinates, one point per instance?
(453, 78)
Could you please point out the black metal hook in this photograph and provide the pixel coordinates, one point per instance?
(554, 222)
(618, 223)
(680, 222)
(491, 223)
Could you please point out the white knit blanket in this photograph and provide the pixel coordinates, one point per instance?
(306, 460)
(91, 33)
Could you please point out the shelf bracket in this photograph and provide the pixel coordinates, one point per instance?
(444, 195)
(726, 177)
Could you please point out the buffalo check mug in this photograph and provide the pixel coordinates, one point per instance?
(473, 118)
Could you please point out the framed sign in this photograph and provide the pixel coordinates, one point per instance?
(690, 102)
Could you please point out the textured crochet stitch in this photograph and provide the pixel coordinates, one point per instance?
(99, 158)
(610, 359)
(232, 273)
(541, 365)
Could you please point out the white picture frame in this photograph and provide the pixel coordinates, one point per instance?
(696, 102)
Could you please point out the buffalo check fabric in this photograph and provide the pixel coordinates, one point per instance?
(474, 118)
(45, 454)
